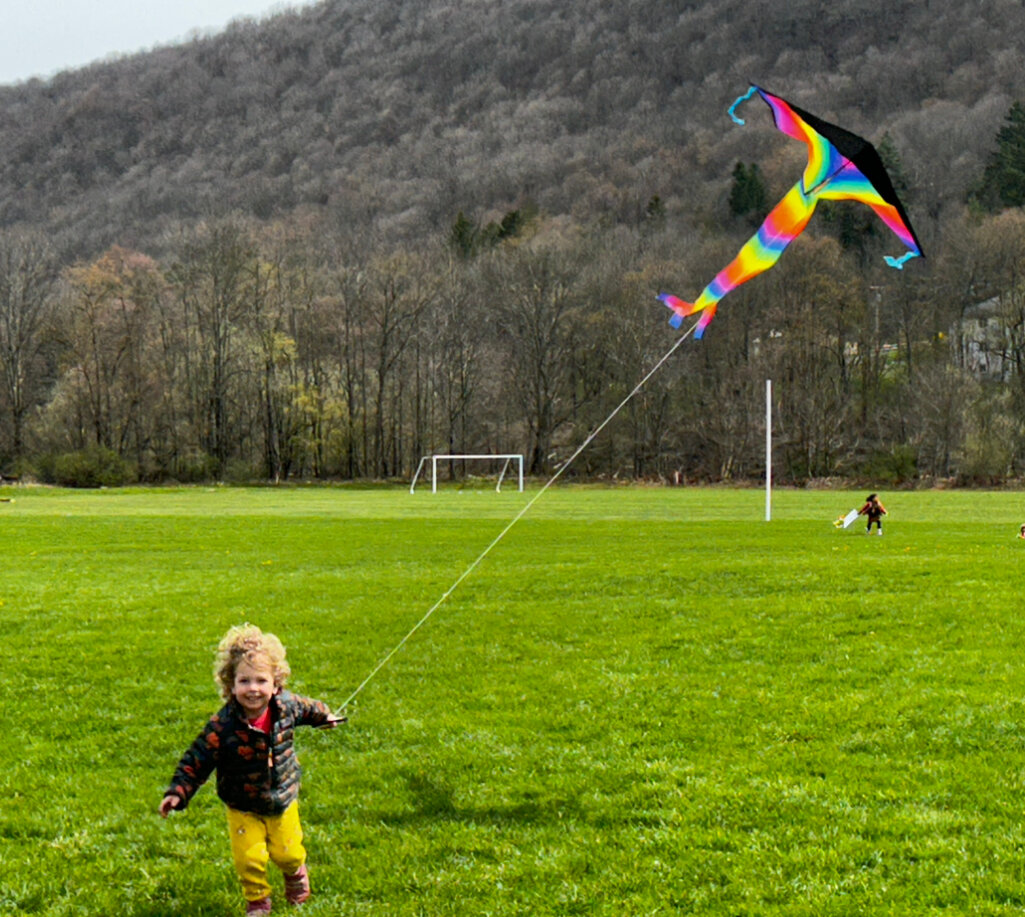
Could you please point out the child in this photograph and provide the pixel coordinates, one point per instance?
(875, 512)
(249, 743)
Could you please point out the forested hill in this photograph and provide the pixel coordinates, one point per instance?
(398, 114)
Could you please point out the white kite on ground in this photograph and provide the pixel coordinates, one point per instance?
(843, 522)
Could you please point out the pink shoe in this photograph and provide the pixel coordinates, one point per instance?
(297, 887)
(258, 907)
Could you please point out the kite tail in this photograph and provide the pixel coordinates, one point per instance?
(678, 307)
(706, 319)
(682, 309)
(901, 261)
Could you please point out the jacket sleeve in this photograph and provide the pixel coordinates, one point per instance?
(196, 765)
(307, 711)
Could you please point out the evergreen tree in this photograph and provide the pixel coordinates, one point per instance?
(468, 238)
(748, 196)
(1003, 181)
(463, 236)
(890, 156)
(856, 226)
(512, 223)
(655, 212)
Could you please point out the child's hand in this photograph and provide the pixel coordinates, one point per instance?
(169, 802)
(333, 721)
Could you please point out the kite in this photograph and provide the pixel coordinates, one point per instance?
(841, 167)
(844, 521)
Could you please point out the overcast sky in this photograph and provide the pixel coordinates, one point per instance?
(43, 37)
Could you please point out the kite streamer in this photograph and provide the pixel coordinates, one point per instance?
(841, 167)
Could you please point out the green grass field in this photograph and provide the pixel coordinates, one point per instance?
(644, 701)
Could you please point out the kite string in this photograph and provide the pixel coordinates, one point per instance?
(473, 566)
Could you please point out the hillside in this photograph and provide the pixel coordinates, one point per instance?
(394, 115)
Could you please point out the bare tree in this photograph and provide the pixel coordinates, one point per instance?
(943, 398)
(816, 305)
(535, 302)
(344, 308)
(28, 275)
(399, 290)
(213, 279)
(106, 336)
(456, 347)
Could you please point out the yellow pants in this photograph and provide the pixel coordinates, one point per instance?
(257, 838)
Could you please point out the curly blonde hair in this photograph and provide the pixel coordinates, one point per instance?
(247, 643)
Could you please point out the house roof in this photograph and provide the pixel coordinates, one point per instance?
(985, 309)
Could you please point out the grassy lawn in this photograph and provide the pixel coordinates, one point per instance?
(644, 701)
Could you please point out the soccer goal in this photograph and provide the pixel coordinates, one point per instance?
(507, 460)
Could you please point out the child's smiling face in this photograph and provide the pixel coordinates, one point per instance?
(254, 686)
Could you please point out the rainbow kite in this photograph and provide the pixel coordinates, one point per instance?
(841, 167)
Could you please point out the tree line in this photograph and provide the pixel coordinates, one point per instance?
(292, 351)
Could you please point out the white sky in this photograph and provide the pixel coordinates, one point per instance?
(43, 37)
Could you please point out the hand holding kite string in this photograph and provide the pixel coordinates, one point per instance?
(841, 167)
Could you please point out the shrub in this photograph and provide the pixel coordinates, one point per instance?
(898, 466)
(239, 471)
(195, 467)
(95, 467)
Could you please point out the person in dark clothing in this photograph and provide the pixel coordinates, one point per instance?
(875, 511)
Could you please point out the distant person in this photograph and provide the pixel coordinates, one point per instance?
(249, 743)
(875, 511)
(1021, 531)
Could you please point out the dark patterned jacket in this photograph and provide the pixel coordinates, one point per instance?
(256, 772)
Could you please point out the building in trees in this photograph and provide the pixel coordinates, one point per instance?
(985, 340)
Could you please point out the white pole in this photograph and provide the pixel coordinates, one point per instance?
(434, 474)
(768, 450)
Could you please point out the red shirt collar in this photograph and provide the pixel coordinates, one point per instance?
(262, 722)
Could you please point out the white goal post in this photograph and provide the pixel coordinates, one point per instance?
(434, 459)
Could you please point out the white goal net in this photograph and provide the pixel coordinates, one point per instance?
(494, 460)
